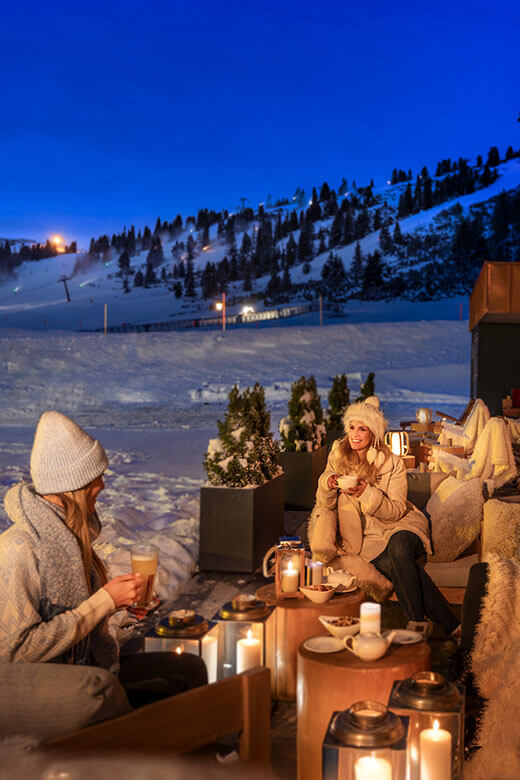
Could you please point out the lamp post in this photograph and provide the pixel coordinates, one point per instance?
(221, 306)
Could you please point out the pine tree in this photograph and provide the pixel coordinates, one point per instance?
(336, 230)
(367, 388)
(291, 251)
(306, 242)
(205, 238)
(303, 430)
(385, 239)
(189, 280)
(245, 452)
(124, 262)
(149, 277)
(398, 236)
(343, 187)
(373, 276)
(493, 157)
(339, 397)
(324, 192)
(138, 279)
(356, 267)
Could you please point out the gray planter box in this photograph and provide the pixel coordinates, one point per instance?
(238, 525)
(332, 435)
(302, 470)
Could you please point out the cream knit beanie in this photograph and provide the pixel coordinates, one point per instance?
(369, 414)
(64, 457)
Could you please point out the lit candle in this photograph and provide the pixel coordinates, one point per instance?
(249, 653)
(435, 753)
(290, 579)
(370, 618)
(317, 572)
(209, 656)
(179, 649)
(372, 768)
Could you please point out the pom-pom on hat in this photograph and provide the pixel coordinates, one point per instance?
(64, 457)
(369, 414)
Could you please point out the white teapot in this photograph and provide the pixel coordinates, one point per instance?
(340, 577)
(369, 646)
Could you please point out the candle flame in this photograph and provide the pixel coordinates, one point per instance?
(414, 753)
(436, 725)
(249, 633)
(179, 650)
(289, 566)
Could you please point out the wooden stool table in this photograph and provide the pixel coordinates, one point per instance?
(333, 681)
(296, 620)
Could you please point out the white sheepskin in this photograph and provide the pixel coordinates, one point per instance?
(455, 510)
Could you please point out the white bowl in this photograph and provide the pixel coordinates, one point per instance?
(339, 631)
(318, 596)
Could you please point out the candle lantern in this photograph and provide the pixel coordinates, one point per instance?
(245, 630)
(182, 631)
(398, 441)
(365, 741)
(424, 416)
(288, 568)
(425, 698)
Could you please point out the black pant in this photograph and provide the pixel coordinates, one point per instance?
(472, 605)
(415, 590)
(148, 677)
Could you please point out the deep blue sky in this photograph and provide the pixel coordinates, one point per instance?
(115, 112)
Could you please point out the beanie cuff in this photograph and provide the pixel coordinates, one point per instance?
(76, 475)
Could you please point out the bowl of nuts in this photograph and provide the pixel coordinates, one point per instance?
(318, 593)
(340, 626)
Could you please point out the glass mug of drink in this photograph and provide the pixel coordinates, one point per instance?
(144, 560)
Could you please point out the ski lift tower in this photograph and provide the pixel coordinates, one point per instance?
(66, 279)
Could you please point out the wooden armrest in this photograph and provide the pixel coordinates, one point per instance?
(187, 721)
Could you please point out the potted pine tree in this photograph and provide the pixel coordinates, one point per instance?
(304, 452)
(242, 508)
(339, 397)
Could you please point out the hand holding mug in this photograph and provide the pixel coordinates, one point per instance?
(356, 491)
(124, 589)
(332, 482)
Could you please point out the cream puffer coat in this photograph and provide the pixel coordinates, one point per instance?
(336, 524)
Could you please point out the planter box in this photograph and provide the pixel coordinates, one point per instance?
(302, 470)
(238, 525)
(332, 435)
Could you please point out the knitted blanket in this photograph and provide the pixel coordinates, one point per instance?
(466, 435)
(495, 663)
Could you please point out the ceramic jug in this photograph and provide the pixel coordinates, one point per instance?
(369, 646)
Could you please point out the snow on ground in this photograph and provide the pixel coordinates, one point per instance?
(153, 400)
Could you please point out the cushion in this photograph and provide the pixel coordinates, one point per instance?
(421, 485)
(46, 700)
(451, 574)
(455, 511)
(501, 529)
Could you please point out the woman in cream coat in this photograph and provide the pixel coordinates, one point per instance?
(371, 529)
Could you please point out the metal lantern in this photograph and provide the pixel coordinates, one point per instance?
(245, 631)
(288, 568)
(182, 631)
(424, 416)
(365, 741)
(425, 698)
(398, 441)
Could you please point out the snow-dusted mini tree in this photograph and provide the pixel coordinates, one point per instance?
(303, 430)
(245, 453)
(339, 397)
(367, 388)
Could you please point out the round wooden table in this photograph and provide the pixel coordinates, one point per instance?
(333, 681)
(296, 620)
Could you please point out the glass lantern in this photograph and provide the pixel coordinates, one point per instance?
(425, 698)
(365, 741)
(245, 632)
(398, 441)
(424, 416)
(289, 567)
(182, 631)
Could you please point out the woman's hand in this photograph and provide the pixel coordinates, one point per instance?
(125, 589)
(332, 482)
(356, 491)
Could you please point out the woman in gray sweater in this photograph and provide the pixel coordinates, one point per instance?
(55, 595)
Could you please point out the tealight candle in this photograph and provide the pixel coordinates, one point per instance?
(370, 618)
(317, 572)
(290, 579)
(249, 652)
(435, 753)
(371, 767)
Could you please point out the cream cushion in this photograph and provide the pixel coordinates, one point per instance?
(455, 510)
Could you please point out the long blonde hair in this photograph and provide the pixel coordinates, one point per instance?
(75, 504)
(351, 464)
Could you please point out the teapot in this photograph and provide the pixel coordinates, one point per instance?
(340, 577)
(369, 646)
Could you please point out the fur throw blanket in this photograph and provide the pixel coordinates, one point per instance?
(495, 663)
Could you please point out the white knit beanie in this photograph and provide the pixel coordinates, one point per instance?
(64, 457)
(369, 414)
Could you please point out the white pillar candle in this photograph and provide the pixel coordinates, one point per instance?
(317, 572)
(209, 656)
(249, 653)
(372, 768)
(370, 618)
(435, 753)
(290, 579)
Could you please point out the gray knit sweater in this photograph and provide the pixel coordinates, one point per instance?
(46, 613)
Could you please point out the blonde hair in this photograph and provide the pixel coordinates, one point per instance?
(75, 503)
(351, 464)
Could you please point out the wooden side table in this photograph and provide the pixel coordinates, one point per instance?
(297, 620)
(334, 681)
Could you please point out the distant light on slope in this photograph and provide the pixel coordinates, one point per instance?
(247, 310)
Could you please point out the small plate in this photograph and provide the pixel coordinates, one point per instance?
(343, 589)
(323, 644)
(405, 637)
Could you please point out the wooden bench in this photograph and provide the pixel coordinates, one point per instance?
(186, 722)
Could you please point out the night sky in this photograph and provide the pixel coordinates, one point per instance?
(113, 113)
